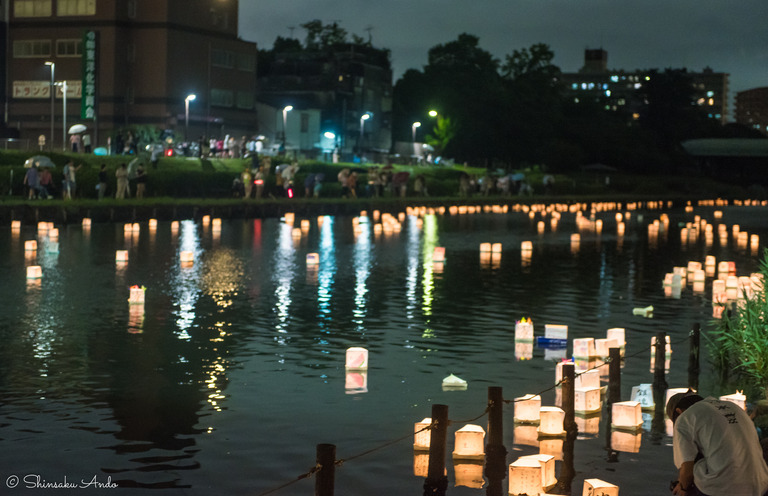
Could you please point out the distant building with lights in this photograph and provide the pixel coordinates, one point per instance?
(752, 109)
(343, 84)
(620, 90)
(129, 63)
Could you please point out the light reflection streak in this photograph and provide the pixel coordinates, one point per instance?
(412, 270)
(326, 271)
(362, 271)
(428, 282)
(187, 279)
(283, 277)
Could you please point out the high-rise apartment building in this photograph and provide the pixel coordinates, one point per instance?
(129, 63)
(752, 109)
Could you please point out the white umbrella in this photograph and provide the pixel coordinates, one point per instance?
(77, 128)
(39, 160)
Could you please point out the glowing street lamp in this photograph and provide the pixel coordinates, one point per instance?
(188, 99)
(433, 113)
(52, 65)
(286, 109)
(363, 118)
(413, 130)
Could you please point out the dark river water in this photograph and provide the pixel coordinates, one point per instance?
(232, 371)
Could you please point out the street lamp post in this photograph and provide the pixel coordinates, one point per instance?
(64, 114)
(52, 65)
(363, 118)
(188, 99)
(286, 109)
(413, 134)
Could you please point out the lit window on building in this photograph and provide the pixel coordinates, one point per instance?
(69, 48)
(710, 94)
(32, 8)
(575, 86)
(75, 7)
(583, 86)
(31, 48)
(607, 92)
(614, 79)
(638, 86)
(711, 101)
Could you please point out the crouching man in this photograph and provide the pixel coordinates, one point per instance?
(716, 448)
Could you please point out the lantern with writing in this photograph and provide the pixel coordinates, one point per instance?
(469, 442)
(584, 347)
(356, 359)
(643, 394)
(532, 474)
(626, 415)
(551, 421)
(524, 329)
(136, 296)
(587, 399)
(597, 487)
(527, 408)
(588, 379)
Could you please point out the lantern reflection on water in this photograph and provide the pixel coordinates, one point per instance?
(356, 381)
(469, 474)
(526, 435)
(628, 442)
(30, 245)
(469, 442)
(523, 349)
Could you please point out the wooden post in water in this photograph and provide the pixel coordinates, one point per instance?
(569, 384)
(614, 376)
(495, 452)
(659, 373)
(693, 357)
(437, 481)
(326, 460)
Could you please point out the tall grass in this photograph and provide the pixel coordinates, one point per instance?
(739, 343)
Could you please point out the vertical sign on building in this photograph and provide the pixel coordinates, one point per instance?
(88, 99)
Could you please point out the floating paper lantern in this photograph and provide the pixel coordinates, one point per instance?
(646, 312)
(422, 434)
(737, 398)
(206, 220)
(15, 225)
(152, 224)
(121, 255)
(34, 272)
(216, 225)
(551, 421)
(496, 248)
(575, 238)
(553, 331)
(356, 359)
(454, 383)
(313, 259)
(603, 346)
(42, 227)
(588, 379)
(643, 394)
(732, 288)
(438, 254)
(136, 296)
(30, 245)
(175, 226)
(305, 225)
(356, 382)
(187, 257)
(296, 233)
(527, 408)
(597, 487)
(626, 415)
(625, 441)
(53, 233)
(469, 474)
(587, 400)
(584, 347)
(469, 442)
(617, 334)
(532, 474)
(526, 246)
(524, 329)
(485, 247)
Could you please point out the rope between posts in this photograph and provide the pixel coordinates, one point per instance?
(303, 476)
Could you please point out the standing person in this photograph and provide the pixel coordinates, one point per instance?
(352, 185)
(46, 183)
(122, 181)
(716, 448)
(87, 143)
(70, 180)
(32, 180)
(74, 140)
(258, 179)
(102, 181)
(343, 178)
(247, 179)
(141, 182)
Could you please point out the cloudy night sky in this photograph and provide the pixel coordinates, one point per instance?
(726, 35)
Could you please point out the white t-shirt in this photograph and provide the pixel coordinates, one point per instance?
(723, 433)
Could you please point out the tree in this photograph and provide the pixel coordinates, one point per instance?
(444, 131)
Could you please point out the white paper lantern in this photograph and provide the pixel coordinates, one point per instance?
(175, 226)
(152, 224)
(86, 223)
(121, 255)
(15, 225)
(313, 259)
(626, 415)
(527, 408)
(553, 331)
(187, 257)
(584, 347)
(485, 247)
(356, 359)
(643, 394)
(34, 272)
(737, 398)
(597, 487)
(587, 400)
(551, 421)
(628, 442)
(603, 346)
(524, 329)
(588, 379)
(469, 442)
(532, 474)
(454, 383)
(438, 254)
(422, 434)
(136, 296)
(526, 246)
(206, 220)
(30, 245)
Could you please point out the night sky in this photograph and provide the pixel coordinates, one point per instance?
(726, 35)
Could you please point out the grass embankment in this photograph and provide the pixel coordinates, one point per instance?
(183, 182)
